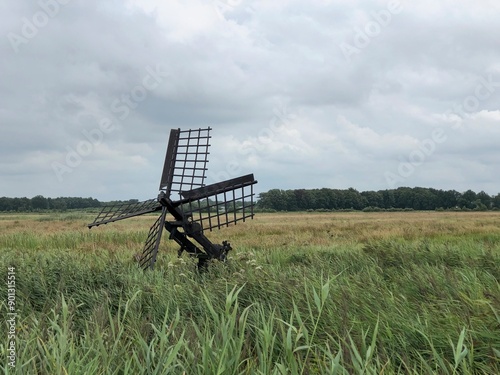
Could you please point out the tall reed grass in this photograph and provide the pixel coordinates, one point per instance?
(414, 306)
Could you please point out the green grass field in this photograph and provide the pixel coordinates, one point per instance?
(329, 293)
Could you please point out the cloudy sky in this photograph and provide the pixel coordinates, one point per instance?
(305, 94)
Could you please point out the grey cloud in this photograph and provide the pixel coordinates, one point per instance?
(235, 74)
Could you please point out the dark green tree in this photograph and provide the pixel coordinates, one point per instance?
(373, 198)
(467, 199)
(485, 199)
(39, 202)
(496, 201)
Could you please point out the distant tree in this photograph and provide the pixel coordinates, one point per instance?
(404, 197)
(21, 204)
(274, 199)
(448, 198)
(373, 198)
(291, 201)
(467, 199)
(484, 198)
(57, 204)
(389, 198)
(496, 201)
(425, 199)
(340, 198)
(479, 206)
(353, 199)
(6, 204)
(39, 202)
(321, 199)
(303, 198)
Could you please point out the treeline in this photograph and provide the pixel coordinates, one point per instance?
(303, 199)
(40, 203)
(401, 198)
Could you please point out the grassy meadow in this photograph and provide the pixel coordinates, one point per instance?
(302, 293)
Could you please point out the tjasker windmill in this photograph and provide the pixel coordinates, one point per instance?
(187, 208)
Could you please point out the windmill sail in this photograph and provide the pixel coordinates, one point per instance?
(148, 256)
(122, 211)
(186, 160)
(220, 204)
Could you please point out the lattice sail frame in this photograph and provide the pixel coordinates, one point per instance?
(186, 160)
(221, 204)
(122, 211)
(148, 257)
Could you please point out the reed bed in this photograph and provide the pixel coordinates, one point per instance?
(333, 293)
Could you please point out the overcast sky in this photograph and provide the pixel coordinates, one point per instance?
(304, 94)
